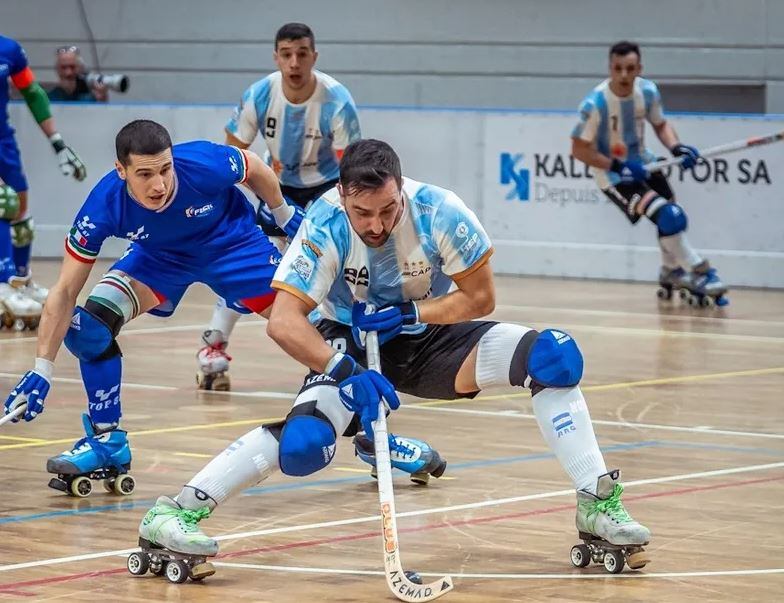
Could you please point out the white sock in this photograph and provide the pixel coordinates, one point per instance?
(224, 319)
(246, 462)
(669, 260)
(566, 426)
(678, 246)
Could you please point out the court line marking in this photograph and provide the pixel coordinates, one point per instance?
(491, 576)
(420, 512)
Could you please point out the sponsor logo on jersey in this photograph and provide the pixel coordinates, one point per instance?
(76, 322)
(85, 226)
(139, 235)
(412, 269)
(234, 167)
(519, 178)
(303, 266)
(461, 231)
(204, 210)
(357, 277)
(314, 133)
(469, 244)
(310, 245)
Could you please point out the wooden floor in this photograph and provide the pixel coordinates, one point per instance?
(688, 403)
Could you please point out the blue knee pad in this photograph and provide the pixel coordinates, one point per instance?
(307, 445)
(90, 336)
(555, 360)
(670, 220)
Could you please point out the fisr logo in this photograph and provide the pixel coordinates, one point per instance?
(511, 175)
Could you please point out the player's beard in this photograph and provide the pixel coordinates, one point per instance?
(372, 241)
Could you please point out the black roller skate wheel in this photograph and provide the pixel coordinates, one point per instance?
(663, 293)
(124, 485)
(138, 563)
(613, 561)
(420, 478)
(177, 571)
(706, 302)
(581, 555)
(80, 486)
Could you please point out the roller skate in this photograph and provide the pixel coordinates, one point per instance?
(414, 457)
(172, 543)
(105, 456)
(213, 363)
(705, 288)
(17, 310)
(610, 536)
(30, 288)
(670, 281)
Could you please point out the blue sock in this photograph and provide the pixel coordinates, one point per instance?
(7, 266)
(22, 259)
(102, 384)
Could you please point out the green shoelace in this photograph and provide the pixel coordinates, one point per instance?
(188, 517)
(613, 506)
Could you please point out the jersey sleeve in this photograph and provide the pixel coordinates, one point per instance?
(654, 111)
(345, 126)
(217, 167)
(462, 242)
(310, 265)
(18, 68)
(91, 227)
(586, 129)
(244, 122)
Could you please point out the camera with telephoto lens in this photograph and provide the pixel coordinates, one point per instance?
(114, 81)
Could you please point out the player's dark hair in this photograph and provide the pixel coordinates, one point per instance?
(625, 47)
(295, 31)
(367, 164)
(141, 137)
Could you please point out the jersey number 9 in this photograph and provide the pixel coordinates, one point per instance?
(270, 131)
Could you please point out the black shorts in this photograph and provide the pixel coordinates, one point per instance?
(300, 196)
(628, 195)
(423, 365)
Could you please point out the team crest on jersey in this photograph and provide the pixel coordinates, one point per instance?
(85, 226)
(204, 210)
(303, 266)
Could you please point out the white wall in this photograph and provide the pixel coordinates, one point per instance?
(566, 228)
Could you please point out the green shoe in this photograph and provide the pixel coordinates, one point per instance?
(170, 526)
(604, 516)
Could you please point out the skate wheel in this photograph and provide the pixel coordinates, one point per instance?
(81, 486)
(613, 561)
(638, 560)
(19, 325)
(663, 293)
(177, 571)
(684, 294)
(123, 485)
(138, 563)
(580, 555)
(202, 571)
(706, 302)
(8, 321)
(420, 478)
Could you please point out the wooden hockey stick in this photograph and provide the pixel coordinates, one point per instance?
(722, 149)
(398, 581)
(19, 410)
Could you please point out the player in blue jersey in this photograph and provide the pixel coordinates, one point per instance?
(186, 222)
(400, 245)
(609, 138)
(306, 119)
(20, 296)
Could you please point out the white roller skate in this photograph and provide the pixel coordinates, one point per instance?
(17, 310)
(672, 280)
(173, 544)
(213, 362)
(609, 534)
(705, 288)
(30, 288)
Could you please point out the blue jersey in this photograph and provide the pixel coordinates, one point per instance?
(204, 215)
(617, 125)
(437, 241)
(304, 141)
(12, 61)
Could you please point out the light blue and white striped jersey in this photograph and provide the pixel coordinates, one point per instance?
(617, 125)
(437, 240)
(305, 141)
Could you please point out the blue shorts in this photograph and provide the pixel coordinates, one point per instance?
(11, 171)
(241, 274)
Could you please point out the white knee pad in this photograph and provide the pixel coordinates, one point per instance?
(501, 356)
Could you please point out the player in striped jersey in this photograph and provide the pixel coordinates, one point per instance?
(609, 138)
(306, 119)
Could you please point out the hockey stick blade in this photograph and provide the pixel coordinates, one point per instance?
(398, 581)
(19, 410)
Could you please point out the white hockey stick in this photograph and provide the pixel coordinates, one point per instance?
(722, 149)
(399, 583)
(19, 410)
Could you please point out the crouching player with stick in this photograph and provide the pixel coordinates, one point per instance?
(399, 245)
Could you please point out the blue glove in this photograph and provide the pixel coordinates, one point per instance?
(31, 390)
(362, 394)
(387, 321)
(288, 217)
(690, 155)
(630, 170)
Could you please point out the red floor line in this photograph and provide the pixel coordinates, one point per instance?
(5, 588)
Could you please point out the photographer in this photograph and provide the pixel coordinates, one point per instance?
(72, 81)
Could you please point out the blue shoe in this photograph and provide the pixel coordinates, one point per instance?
(414, 457)
(105, 456)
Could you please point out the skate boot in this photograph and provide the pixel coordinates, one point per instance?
(17, 310)
(173, 544)
(609, 534)
(414, 457)
(705, 287)
(670, 281)
(30, 288)
(103, 456)
(213, 363)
